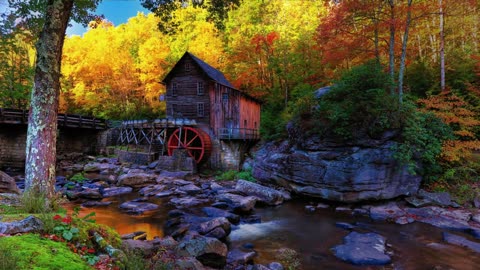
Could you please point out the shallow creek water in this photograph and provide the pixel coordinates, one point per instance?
(312, 235)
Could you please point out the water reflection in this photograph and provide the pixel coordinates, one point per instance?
(414, 246)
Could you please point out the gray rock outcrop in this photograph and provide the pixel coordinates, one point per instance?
(336, 171)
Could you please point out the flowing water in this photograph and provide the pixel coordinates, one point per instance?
(312, 235)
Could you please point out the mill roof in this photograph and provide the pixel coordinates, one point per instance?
(210, 71)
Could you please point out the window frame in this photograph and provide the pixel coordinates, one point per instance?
(200, 109)
(174, 89)
(200, 86)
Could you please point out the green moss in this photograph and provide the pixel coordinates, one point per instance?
(85, 228)
(78, 177)
(34, 252)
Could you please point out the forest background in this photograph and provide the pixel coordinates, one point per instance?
(278, 51)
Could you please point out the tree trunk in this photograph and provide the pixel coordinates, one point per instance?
(403, 57)
(391, 54)
(442, 48)
(42, 127)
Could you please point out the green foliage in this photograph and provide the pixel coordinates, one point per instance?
(274, 119)
(231, 175)
(78, 177)
(134, 260)
(358, 104)
(226, 176)
(460, 181)
(34, 202)
(246, 175)
(422, 139)
(30, 251)
(420, 78)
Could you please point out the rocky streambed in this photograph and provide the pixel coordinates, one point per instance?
(244, 225)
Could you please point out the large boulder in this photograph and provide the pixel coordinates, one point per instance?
(265, 194)
(336, 171)
(136, 180)
(7, 184)
(209, 251)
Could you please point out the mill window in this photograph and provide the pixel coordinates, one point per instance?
(200, 109)
(200, 89)
(174, 89)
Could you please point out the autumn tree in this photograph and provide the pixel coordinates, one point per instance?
(217, 11)
(16, 65)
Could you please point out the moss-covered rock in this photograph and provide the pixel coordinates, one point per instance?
(31, 251)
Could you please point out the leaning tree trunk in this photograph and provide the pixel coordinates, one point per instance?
(42, 121)
(401, 70)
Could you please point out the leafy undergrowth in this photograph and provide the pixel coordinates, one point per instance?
(66, 242)
(31, 251)
(231, 175)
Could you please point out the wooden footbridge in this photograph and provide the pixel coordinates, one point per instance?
(15, 116)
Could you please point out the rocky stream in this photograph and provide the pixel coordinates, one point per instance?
(245, 225)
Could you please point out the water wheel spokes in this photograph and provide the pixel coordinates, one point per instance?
(195, 141)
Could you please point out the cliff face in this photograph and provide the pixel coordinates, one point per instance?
(337, 171)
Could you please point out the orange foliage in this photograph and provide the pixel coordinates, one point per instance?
(454, 111)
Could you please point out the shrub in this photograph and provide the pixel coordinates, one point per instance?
(34, 202)
(226, 176)
(422, 139)
(245, 175)
(231, 175)
(359, 104)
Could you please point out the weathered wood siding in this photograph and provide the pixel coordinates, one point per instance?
(232, 109)
(184, 101)
(249, 113)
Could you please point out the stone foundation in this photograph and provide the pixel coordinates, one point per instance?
(140, 158)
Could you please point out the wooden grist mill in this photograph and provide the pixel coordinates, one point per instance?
(212, 121)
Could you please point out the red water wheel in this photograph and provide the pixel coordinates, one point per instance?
(195, 141)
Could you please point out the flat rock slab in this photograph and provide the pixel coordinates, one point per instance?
(138, 207)
(461, 241)
(186, 202)
(151, 190)
(442, 218)
(238, 257)
(116, 191)
(96, 204)
(136, 180)
(265, 194)
(190, 189)
(363, 249)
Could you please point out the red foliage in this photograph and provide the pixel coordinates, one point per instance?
(67, 220)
